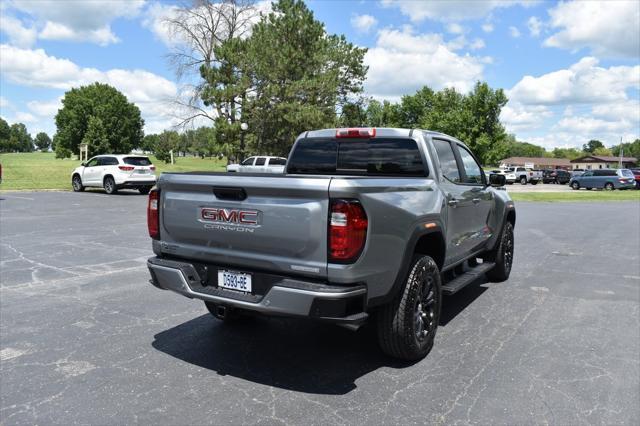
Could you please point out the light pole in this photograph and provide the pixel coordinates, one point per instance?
(243, 129)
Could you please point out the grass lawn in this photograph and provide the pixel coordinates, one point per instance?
(582, 195)
(41, 170)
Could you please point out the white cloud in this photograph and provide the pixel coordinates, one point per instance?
(397, 55)
(517, 117)
(607, 28)
(583, 82)
(45, 108)
(4, 102)
(70, 20)
(363, 23)
(152, 93)
(450, 10)
(534, 25)
(18, 34)
(24, 117)
(591, 125)
(514, 32)
(477, 43)
(455, 28)
(55, 31)
(487, 27)
(623, 110)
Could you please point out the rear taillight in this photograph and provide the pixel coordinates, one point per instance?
(153, 214)
(356, 133)
(153, 168)
(347, 230)
(126, 168)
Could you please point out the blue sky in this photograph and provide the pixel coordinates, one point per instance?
(571, 69)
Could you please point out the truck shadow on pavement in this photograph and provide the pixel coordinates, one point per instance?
(298, 355)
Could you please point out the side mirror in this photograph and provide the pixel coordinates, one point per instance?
(83, 164)
(497, 180)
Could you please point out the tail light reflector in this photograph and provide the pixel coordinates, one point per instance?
(356, 133)
(126, 168)
(153, 214)
(348, 225)
(153, 168)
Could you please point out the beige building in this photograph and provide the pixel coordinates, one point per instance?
(536, 163)
(593, 162)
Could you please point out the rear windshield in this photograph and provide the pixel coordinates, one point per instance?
(369, 157)
(137, 161)
(626, 173)
(277, 162)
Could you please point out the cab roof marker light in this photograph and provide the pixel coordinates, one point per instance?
(358, 132)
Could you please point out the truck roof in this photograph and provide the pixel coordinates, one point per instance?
(380, 131)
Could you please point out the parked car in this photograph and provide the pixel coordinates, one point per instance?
(510, 177)
(556, 176)
(608, 179)
(524, 175)
(577, 172)
(259, 165)
(363, 221)
(636, 175)
(114, 172)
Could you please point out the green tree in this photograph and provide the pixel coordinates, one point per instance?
(299, 76)
(5, 134)
(570, 153)
(96, 137)
(120, 121)
(631, 149)
(19, 139)
(602, 151)
(43, 141)
(167, 141)
(591, 146)
(149, 143)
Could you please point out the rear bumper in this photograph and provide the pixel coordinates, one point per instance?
(281, 296)
(136, 183)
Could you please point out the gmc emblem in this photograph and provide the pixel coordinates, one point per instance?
(230, 216)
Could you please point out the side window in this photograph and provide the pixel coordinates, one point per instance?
(448, 163)
(260, 161)
(108, 161)
(92, 163)
(248, 161)
(277, 161)
(472, 169)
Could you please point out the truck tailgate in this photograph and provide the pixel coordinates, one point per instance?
(272, 223)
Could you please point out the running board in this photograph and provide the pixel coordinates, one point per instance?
(459, 282)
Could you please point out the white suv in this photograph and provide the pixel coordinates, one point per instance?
(113, 172)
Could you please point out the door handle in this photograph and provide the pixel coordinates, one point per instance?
(453, 202)
(476, 200)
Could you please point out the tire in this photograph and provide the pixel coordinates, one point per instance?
(575, 186)
(502, 256)
(76, 184)
(407, 325)
(523, 180)
(609, 186)
(109, 185)
(144, 190)
(589, 189)
(534, 182)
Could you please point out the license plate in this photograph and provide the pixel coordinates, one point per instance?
(142, 172)
(234, 281)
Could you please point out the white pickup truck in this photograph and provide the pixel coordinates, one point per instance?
(259, 164)
(525, 175)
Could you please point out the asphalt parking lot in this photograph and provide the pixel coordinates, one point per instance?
(85, 339)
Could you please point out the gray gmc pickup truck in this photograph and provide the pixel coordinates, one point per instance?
(365, 224)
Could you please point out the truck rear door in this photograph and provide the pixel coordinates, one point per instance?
(275, 224)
